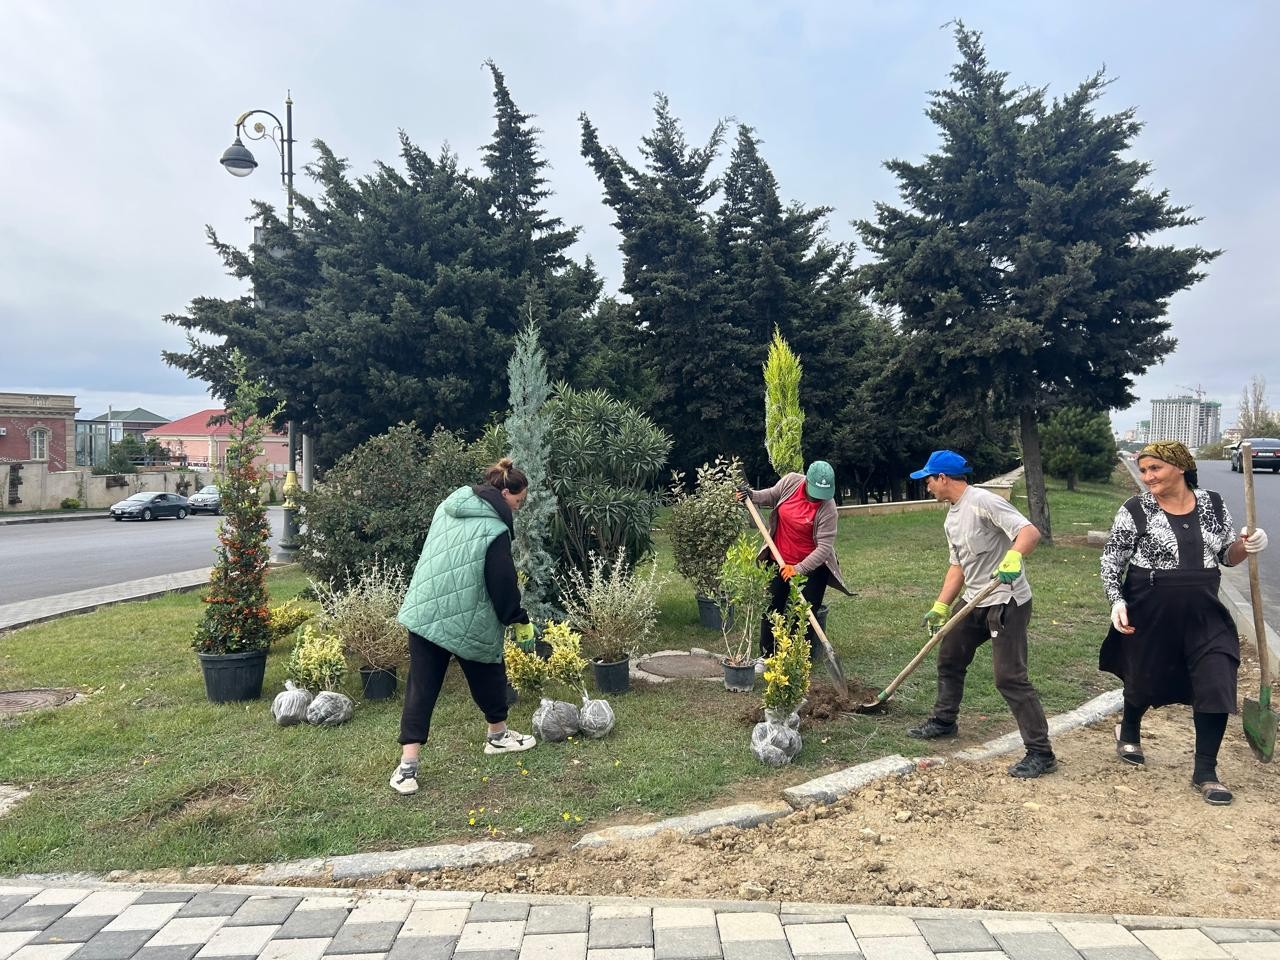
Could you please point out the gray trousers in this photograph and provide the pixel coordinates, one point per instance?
(1006, 627)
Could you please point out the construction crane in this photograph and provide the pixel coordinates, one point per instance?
(1198, 391)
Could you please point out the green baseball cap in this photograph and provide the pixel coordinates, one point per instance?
(820, 480)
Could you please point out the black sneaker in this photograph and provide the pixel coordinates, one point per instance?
(1034, 765)
(932, 729)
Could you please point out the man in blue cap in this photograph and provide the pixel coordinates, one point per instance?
(988, 539)
(803, 527)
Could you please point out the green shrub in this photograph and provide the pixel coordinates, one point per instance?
(783, 418)
(363, 616)
(376, 503)
(70, 503)
(317, 662)
(613, 605)
(745, 589)
(705, 523)
(604, 462)
(1077, 444)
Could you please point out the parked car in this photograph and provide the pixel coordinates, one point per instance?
(150, 506)
(206, 500)
(1266, 454)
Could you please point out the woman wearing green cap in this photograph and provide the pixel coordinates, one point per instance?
(1171, 639)
(803, 527)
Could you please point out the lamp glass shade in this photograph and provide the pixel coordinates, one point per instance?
(238, 160)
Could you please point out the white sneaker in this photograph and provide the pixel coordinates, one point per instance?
(402, 783)
(509, 742)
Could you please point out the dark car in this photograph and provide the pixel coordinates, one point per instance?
(1266, 454)
(150, 506)
(206, 500)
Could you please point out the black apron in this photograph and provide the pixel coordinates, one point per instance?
(1186, 648)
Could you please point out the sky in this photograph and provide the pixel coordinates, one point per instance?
(113, 116)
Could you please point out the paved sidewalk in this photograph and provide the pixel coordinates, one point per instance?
(26, 612)
(154, 922)
(54, 516)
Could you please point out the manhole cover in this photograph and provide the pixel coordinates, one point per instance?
(682, 666)
(20, 701)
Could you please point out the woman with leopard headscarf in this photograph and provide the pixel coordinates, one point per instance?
(1171, 639)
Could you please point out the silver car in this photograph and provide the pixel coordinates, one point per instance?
(206, 500)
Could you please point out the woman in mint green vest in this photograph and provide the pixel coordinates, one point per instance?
(462, 596)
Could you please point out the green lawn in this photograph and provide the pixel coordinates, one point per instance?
(145, 773)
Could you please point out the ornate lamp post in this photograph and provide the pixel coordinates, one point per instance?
(239, 162)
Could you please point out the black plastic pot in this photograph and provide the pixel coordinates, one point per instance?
(229, 677)
(378, 684)
(739, 678)
(711, 616)
(612, 677)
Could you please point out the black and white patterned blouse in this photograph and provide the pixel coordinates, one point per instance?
(1158, 549)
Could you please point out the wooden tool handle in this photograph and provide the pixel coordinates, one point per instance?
(1255, 581)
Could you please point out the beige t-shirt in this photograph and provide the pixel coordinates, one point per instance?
(980, 529)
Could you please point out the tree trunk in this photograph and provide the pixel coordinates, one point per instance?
(1037, 499)
(1071, 482)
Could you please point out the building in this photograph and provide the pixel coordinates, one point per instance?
(1143, 433)
(38, 426)
(1189, 420)
(192, 441)
(94, 437)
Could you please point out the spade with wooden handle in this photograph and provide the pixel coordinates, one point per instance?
(833, 665)
(1259, 717)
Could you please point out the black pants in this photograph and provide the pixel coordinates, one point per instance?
(428, 664)
(815, 588)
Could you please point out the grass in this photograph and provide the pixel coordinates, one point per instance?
(145, 773)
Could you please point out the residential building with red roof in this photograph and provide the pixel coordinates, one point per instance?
(197, 443)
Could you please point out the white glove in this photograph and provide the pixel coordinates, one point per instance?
(1120, 616)
(1255, 542)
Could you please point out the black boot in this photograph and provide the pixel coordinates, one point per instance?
(931, 729)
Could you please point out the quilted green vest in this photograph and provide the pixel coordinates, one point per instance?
(447, 601)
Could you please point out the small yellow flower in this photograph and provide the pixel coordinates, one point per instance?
(576, 818)
(471, 822)
(484, 779)
(471, 813)
(565, 816)
(482, 809)
(524, 773)
(617, 763)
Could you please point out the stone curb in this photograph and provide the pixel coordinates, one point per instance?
(52, 518)
(1099, 708)
(97, 597)
(833, 786)
(1242, 610)
(415, 859)
(742, 815)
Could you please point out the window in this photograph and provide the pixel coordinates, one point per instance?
(39, 444)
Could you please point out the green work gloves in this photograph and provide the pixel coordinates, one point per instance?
(938, 614)
(1010, 568)
(524, 636)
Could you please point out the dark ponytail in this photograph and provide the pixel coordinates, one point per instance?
(505, 475)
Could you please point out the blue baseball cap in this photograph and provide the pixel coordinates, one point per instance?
(943, 461)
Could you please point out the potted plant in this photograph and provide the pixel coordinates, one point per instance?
(703, 524)
(288, 617)
(615, 608)
(363, 616)
(233, 635)
(745, 582)
(553, 720)
(786, 681)
(317, 661)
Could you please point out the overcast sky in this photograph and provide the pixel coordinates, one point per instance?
(113, 116)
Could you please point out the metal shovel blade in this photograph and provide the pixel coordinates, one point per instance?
(1260, 725)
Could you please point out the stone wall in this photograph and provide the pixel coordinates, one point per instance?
(45, 489)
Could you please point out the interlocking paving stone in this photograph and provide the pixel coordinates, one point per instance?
(491, 935)
(307, 924)
(611, 911)
(621, 931)
(72, 930)
(212, 904)
(1089, 934)
(117, 945)
(1134, 951)
(558, 918)
(1240, 934)
(374, 937)
(881, 926)
(33, 918)
(486, 911)
(10, 902)
(556, 946)
(68, 895)
(10, 942)
(440, 923)
(422, 948)
(757, 950)
(259, 911)
(686, 943)
(1181, 945)
(895, 948)
(346, 904)
(621, 953)
(1000, 925)
(979, 955)
(237, 941)
(380, 910)
(953, 936)
(1268, 950)
(310, 949)
(104, 903)
(46, 951)
(165, 896)
(182, 931)
(841, 956)
(735, 927)
(683, 917)
(171, 951)
(146, 916)
(824, 938)
(1036, 946)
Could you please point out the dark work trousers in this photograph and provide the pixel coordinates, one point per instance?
(779, 590)
(1006, 627)
(428, 664)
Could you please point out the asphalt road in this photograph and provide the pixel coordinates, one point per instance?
(47, 559)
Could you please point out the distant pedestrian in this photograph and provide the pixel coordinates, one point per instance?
(988, 539)
(1171, 639)
(463, 593)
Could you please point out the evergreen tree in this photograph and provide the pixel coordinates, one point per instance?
(783, 416)
(1078, 445)
(528, 429)
(1018, 265)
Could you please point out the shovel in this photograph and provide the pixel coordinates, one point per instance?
(1259, 717)
(833, 665)
(876, 705)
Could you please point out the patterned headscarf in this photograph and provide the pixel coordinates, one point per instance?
(1171, 452)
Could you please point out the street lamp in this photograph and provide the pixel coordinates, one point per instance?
(239, 162)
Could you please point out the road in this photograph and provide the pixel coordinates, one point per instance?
(46, 559)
